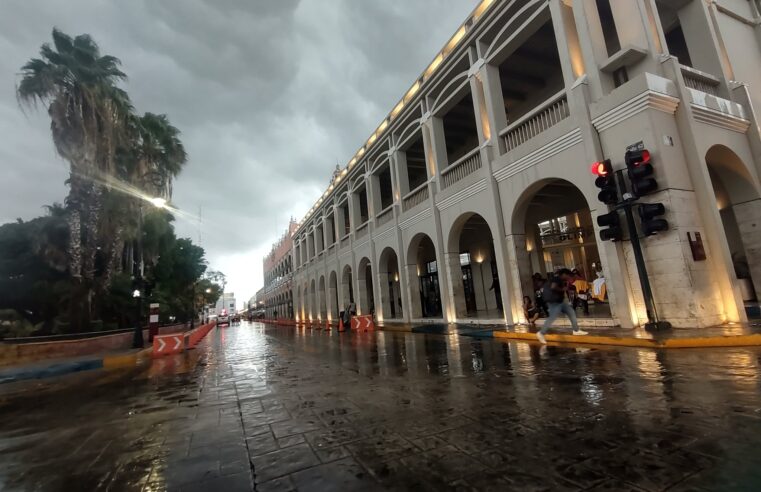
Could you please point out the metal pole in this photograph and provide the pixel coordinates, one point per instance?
(137, 338)
(193, 307)
(653, 323)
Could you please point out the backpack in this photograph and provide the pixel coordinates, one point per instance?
(550, 295)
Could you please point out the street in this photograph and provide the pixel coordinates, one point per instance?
(278, 408)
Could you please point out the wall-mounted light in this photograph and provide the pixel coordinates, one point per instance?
(411, 93)
(396, 277)
(434, 65)
(397, 109)
(482, 8)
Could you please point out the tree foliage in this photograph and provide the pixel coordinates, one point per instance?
(75, 264)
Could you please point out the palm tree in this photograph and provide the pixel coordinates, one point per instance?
(160, 154)
(151, 157)
(88, 113)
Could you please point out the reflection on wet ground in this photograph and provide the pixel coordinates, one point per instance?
(286, 410)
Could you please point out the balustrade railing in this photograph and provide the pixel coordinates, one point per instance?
(543, 117)
(345, 241)
(415, 197)
(386, 215)
(700, 81)
(464, 166)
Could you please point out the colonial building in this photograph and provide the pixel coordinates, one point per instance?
(480, 177)
(277, 293)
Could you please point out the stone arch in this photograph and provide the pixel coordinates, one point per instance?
(365, 286)
(305, 302)
(333, 302)
(347, 287)
(552, 228)
(297, 304)
(739, 205)
(390, 287)
(323, 300)
(313, 301)
(475, 277)
(423, 277)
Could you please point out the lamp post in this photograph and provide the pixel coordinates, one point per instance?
(206, 306)
(137, 338)
(193, 306)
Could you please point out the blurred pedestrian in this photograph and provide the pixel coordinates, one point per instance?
(530, 311)
(555, 295)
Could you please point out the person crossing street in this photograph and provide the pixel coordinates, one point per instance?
(555, 295)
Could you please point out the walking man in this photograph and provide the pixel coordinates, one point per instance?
(555, 296)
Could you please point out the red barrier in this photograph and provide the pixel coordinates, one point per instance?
(168, 344)
(178, 342)
(197, 335)
(363, 323)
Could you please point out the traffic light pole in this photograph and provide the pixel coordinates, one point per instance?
(627, 205)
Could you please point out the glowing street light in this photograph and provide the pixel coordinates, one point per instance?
(158, 202)
(137, 338)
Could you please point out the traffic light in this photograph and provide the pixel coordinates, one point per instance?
(649, 213)
(606, 182)
(613, 223)
(640, 167)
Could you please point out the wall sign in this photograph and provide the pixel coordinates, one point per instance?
(696, 245)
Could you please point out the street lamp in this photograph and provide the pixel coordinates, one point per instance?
(137, 338)
(206, 306)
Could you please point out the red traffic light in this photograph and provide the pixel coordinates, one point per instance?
(602, 168)
(637, 158)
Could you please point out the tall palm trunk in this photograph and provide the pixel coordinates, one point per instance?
(74, 220)
(115, 251)
(91, 219)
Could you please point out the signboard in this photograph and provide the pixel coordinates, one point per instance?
(153, 321)
(168, 344)
(362, 323)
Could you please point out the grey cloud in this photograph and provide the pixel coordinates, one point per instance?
(269, 96)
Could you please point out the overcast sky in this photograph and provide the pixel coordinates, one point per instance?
(269, 96)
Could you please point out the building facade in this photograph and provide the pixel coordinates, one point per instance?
(277, 293)
(226, 302)
(479, 178)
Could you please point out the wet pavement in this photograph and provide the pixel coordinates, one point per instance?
(277, 408)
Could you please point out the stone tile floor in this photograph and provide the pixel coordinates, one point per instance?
(276, 408)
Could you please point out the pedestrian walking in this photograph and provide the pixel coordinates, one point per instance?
(555, 296)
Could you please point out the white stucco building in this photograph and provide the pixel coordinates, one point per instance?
(479, 177)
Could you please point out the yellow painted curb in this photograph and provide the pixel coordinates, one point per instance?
(128, 360)
(672, 343)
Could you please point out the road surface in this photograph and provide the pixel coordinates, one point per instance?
(282, 409)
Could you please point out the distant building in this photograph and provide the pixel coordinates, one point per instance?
(277, 294)
(225, 301)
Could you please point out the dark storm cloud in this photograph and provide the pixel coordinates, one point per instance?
(269, 96)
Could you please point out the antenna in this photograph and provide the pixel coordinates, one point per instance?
(200, 223)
